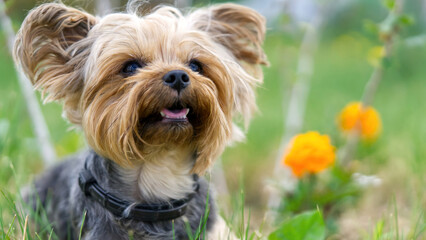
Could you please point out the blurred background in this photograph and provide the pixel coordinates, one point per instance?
(340, 57)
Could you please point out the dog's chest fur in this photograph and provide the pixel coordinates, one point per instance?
(165, 176)
(65, 204)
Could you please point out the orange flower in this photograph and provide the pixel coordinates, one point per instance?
(309, 153)
(368, 120)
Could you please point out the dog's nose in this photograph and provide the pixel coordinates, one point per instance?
(176, 79)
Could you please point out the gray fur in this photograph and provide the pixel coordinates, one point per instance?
(65, 203)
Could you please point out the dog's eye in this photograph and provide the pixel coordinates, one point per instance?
(195, 66)
(130, 68)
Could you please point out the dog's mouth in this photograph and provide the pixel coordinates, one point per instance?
(174, 122)
(177, 117)
(174, 114)
(177, 113)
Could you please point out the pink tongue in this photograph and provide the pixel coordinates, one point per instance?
(175, 113)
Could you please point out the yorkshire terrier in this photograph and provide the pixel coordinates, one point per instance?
(156, 96)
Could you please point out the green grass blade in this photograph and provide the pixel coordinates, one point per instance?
(82, 224)
(396, 218)
(248, 226)
(11, 225)
(50, 234)
(38, 236)
(173, 229)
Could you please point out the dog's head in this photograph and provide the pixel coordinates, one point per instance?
(141, 84)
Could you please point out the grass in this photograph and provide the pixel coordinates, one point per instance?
(341, 71)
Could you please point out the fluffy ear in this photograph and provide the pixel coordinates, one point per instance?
(51, 47)
(240, 29)
(239, 32)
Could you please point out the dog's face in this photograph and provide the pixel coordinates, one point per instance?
(139, 85)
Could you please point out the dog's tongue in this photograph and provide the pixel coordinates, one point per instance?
(175, 114)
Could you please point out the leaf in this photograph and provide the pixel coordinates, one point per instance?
(304, 226)
(378, 230)
(390, 4)
(406, 20)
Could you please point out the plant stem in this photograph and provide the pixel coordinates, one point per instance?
(371, 89)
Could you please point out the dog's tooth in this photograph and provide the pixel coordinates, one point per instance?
(163, 114)
(187, 111)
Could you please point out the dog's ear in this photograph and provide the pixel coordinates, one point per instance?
(51, 47)
(240, 29)
(240, 32)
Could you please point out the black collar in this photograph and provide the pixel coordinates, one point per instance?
(139, 212)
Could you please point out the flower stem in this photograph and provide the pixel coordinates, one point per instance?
(371, 88)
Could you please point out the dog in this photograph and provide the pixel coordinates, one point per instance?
(158, 96)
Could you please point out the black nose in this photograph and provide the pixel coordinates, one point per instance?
(176, 79)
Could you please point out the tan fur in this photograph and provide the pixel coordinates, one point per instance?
(50, 47)
(72, 56)
(166, 177)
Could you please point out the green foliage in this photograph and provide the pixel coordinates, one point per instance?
(82, 225)
(238, 222)
(406, 20)
(378, 230)
(304, 226)
(200, 233)
(387, 228)
(390, 4)
(420, 226)
(333, 192)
